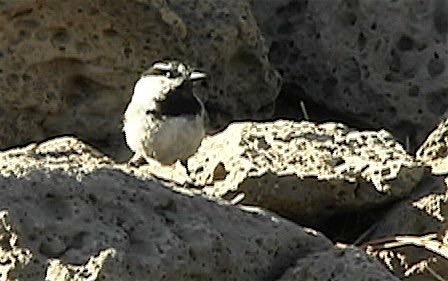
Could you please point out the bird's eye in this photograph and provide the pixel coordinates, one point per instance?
(172, 74)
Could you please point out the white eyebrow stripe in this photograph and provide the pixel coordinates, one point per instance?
(162, 66)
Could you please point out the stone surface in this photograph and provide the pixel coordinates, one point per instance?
(74, 215)
(339, 264)
(68, 67)
(58, 271)
(66, 154)
(424, 213)
(434, 151)
(381, 63)
(304, 171)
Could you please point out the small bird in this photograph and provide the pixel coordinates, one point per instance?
(165, 120)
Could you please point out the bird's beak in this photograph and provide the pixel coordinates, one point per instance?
(196, 75)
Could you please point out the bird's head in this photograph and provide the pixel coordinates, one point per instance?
(173, 72)
(165, 79)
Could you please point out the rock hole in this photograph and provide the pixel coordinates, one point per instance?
(127, 52)
(414, 91)
(219, 173)
(23, 34)
(50, 196)
(92, 199)
(12, 80)
(351, 18)
(199, 170)
(362, 41)
(60, 37)
(405, 43)
(26, 77)
(395, 63)
(22, 13)
(435, 66)
(110, 32)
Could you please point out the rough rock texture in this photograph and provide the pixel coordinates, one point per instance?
(425, 213)
(382, 62)
(302, 170)
(340, 264)
(66, 154)
(434, 151)
(69, 66)
(74, 216)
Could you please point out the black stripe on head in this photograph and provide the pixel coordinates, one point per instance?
(168, 68)
(180, 102)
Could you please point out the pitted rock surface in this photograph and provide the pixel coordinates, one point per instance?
(95, 220)
(379, 62)
(58, 271)
(434, 151)
(424, 213)
(68, 67)
(67, 154)
(302, 170)
(339, 264)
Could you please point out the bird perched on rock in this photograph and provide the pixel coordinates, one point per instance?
(165, 119)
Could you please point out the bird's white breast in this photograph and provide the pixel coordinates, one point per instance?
(166, 139)
(177, 138)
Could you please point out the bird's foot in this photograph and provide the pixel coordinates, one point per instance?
(137, 160)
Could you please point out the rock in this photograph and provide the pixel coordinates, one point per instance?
(69, 66)
(94, 221)
(344, 263)
(379, 63)
(66, 154)
(434, 151)
(58, 271)
(304, 171)
(418, 218)
(422, 220)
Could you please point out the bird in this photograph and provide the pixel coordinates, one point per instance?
(165, 119)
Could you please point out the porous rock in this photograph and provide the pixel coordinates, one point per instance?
(68, 67)
(67, 154)
(380, 63)
(422, 220)
(424, 213)
(339, 264)
(95, 221)
(434, 151)
(302, 170)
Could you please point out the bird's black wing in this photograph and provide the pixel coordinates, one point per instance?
(180, 101)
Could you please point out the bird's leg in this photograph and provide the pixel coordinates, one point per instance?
(137, 160)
